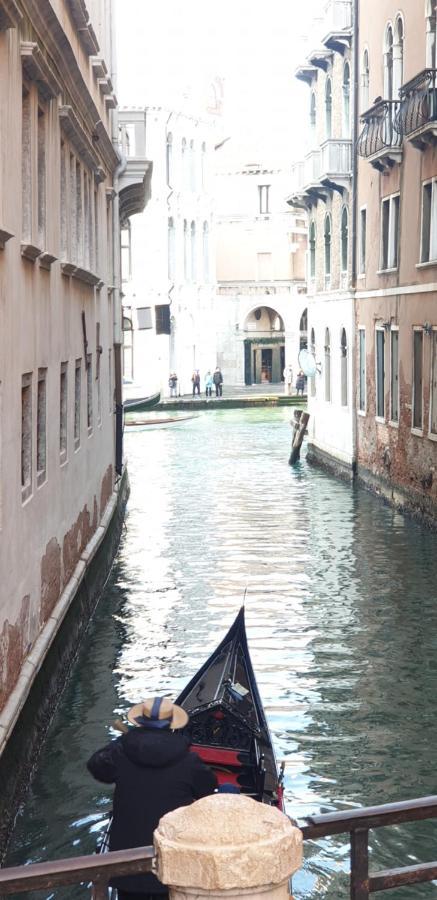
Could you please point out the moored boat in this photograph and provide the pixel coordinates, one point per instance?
(141, 404)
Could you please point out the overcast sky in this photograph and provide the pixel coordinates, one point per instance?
(168, 46)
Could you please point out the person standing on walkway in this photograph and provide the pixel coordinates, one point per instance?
(300, 384)
(195, 378)
(218, 381)
(173, 384)
(154, 772)
(288, 380)
(208, 384)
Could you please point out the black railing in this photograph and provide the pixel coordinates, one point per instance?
(380, 128)
(418, 102)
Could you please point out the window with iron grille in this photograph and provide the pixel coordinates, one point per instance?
(162, 319)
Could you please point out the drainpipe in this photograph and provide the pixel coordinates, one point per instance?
(356, 68)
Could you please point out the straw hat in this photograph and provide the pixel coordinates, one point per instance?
(158, 712)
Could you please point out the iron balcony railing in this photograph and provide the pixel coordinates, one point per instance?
(418, 105)
(380, 130)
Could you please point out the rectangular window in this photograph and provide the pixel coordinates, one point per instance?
(417, 378)
(26, 436)
(64, 204)
(41, 179)
(390, 208)
(79, 216)
(363, 238)
(394, 376)
(264, 198)
(433, 402)
(41, 427)
(428, 250)
(26, 168)
(162, 319)
(77, 399)
(73, 211)
(110, 380)
(89, 385)
(362, 363)
(63, 406)
(144, 318)
(380, 374)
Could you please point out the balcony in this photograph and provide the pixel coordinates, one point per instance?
(336, 165)
(338, 25)
(320, 173)
(380, 141)
(417, 117)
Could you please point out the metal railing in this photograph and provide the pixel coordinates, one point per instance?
(418, 104)
(97, 870)
(380, 130)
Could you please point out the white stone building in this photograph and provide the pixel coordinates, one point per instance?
(168, 252)
(321, 185)
(261, 299)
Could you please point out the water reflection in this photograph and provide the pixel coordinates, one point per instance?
(341, 614)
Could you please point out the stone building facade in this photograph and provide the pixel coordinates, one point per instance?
(396, 305)
(260, 313)
(60, 201)
(168, 252)
(321, 184)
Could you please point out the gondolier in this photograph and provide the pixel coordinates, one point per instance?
(154, 772)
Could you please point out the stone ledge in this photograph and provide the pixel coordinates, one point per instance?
(72, 270)
(38, 70)
(332, 464)
(46, 260)
(4, 237)
(30, 251)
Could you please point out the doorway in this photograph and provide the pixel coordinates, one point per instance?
(254, 367)
(266, 366)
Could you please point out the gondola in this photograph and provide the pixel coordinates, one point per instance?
(141, 404)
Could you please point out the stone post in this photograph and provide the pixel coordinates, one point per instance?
(227, 846)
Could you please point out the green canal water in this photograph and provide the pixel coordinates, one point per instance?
(342, 624)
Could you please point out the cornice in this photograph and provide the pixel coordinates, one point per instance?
(10, 15)
(77, 135)
(82, 22)
(37, 69)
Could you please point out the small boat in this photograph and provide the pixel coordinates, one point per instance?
(165, 420)
(228, 727)
(140, 404)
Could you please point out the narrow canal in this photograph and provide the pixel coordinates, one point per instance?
(342, 625)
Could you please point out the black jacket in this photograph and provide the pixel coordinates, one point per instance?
(154, 772)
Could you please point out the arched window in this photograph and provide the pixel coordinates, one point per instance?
(203, 166)
(430, 34)
(346, 99)
(192, 166)
(328, 108)
(169, 160)
(398, 57)
(312, 248)
(344, 239)
(327, 247)
(365, 78)
(184, 163)
(128, 349)
(185, 250)
(303, 330)
(193, 252)
(205, 252)
(313, 351)
(343, 368)
(313, 113)
(388, 63)
(171, 250)
(327, 366)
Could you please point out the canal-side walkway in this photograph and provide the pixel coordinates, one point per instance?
(235, 397)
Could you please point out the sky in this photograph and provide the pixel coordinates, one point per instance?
(167, 48)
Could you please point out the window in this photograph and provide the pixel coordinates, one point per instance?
(398, 56)
(363, 239)
(126, 256)
(99, 351)
(162, 319)
(41, 427)
(343, 368)
(41, 163)
(205, 252)
(313, 351)
(327, 249)
(169, 160)
(417, 378)
(203, 166)
(171, 250)
(26, 167)
(389, 232)
(394, 375)
(388, 64)
(346, 99)
(185, 250)
(327, 366)
(313, 116)
(128, 349)
(344, 239)
(89, 391)
(26, 436)
(429, 222)
(264, 198)
(362, 370)
(193, 252)
(63, 412)
(430, 34)
(111, 399)
(77, 399)
(380, 373)
(328, 108)
(312, 248)
(144, 318)
(193, 179)
(365, 78)
(433, 399)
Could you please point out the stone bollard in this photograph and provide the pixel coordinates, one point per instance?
(227, 846)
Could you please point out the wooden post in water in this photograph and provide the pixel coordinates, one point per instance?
(299, 428)
(227, 846)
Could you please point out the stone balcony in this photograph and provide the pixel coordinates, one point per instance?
(380, 141)
(417, 116)
(321, 172)
(336, 164)
(338, 25)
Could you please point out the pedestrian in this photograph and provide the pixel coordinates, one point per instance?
(288, 380)
(218, 381)
(195, 378)
(154, 772)
(208, 383)
(173, 384)
(300, 383)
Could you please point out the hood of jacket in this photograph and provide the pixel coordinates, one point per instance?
(154, 749)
